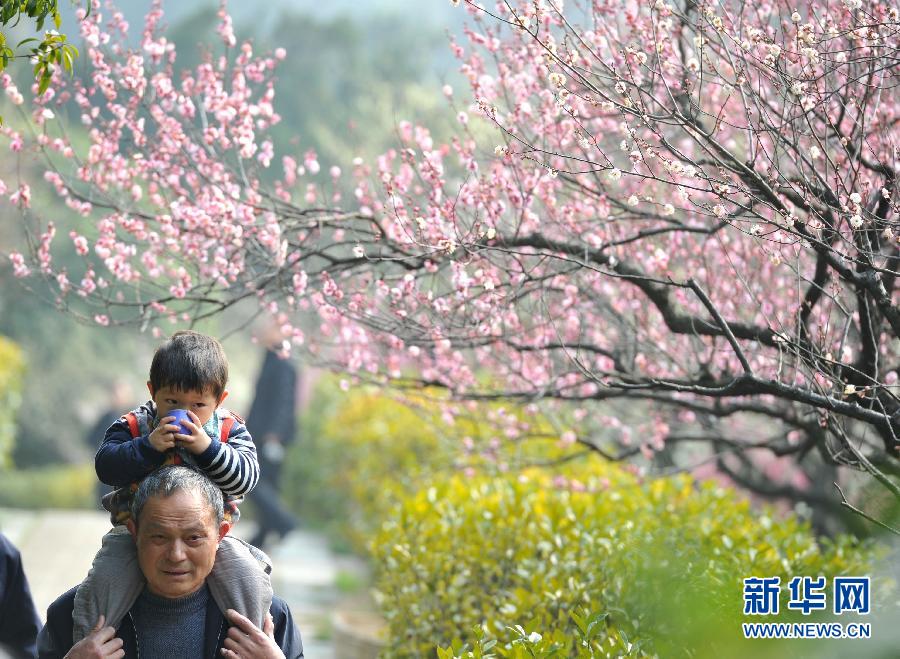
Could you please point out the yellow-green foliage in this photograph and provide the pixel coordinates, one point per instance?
(361, 451)
(63, 486)
(351, 467)
(12, 367)
(580, 550)
(663, 561)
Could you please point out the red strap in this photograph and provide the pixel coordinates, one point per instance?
(131, 418)
(227, 422)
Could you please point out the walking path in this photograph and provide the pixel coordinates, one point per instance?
(57, 547)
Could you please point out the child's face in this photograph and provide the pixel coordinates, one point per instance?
(201, 403)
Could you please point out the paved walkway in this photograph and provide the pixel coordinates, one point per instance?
(58, 546)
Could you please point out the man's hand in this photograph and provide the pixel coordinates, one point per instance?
(163, 438)
(101, 643)
(198, 441)
(248, 641)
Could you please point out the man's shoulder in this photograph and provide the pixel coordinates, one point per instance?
(55, 639)
(287, 635)
(61, 608)
(279, 606)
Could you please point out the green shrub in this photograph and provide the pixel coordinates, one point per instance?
(350, 466)
(582, 555)
(658, 564)
(12, 368)
(361, 451)
(59, 486)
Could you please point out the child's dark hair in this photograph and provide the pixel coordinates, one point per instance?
(190, 361)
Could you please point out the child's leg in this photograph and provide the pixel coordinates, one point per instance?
(240, 580)
(111, 587)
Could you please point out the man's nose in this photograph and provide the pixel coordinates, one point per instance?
(176, 551)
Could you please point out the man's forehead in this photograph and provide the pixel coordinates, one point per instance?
(182, 509)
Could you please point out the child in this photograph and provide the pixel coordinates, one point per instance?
(189, 371)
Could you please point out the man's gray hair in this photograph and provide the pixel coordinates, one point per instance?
(177, 478)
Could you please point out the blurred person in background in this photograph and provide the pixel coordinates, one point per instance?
(273, 421)
(19, 622)
(121, 397)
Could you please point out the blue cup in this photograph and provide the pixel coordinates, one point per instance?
(180, 417)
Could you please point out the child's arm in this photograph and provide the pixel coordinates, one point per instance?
(232, 466)
(123, 459)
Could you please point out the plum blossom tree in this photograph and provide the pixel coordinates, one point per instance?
(687, 206)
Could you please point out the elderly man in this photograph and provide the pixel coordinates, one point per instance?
(177, 523)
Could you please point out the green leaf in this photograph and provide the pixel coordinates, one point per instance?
(45, 82)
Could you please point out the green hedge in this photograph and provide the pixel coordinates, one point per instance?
(361, 451)
(580, 552)
(59, 486)
(12, 369)
(356, 454)
(658, 565)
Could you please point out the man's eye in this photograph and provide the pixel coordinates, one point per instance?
(199, 405)
(171, 401)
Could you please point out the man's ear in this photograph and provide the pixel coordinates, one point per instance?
(150, 388)
(224, 528)
(132, 527)
(222, 397)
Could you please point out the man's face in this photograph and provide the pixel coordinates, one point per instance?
(201, 403)
(177, 538)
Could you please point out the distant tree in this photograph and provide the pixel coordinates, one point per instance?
(692, 208)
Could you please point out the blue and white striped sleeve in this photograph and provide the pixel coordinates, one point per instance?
(232, 466)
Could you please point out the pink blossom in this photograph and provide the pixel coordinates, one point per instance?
(21, 197)
(20, 270)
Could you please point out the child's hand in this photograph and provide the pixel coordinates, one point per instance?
(198, 441)
(163, 438)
